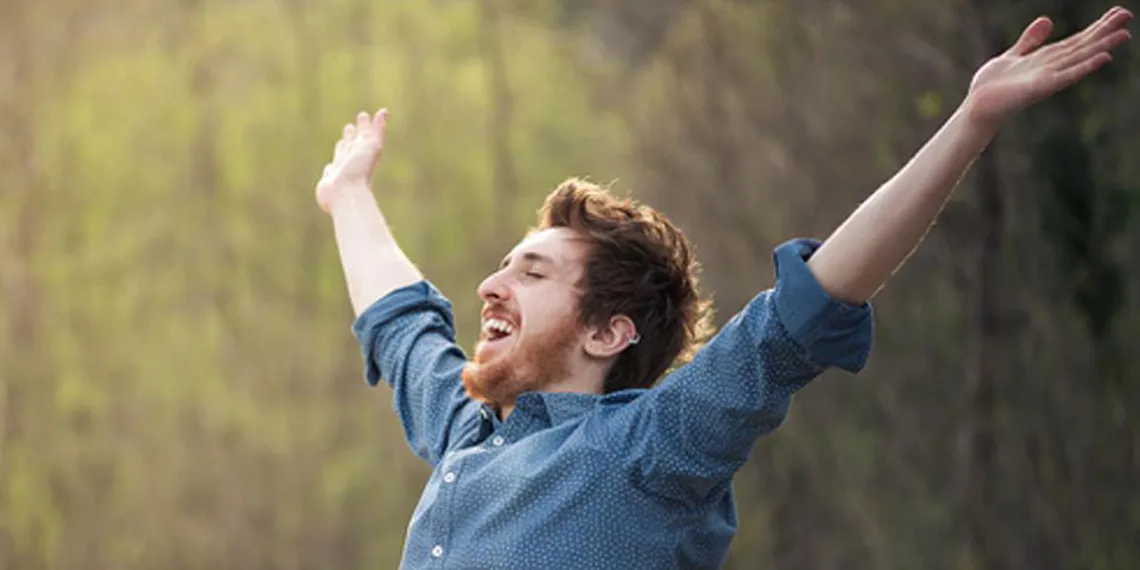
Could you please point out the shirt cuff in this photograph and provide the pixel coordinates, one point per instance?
(418, 296)
(834, 333)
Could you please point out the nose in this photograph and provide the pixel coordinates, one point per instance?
(494, 289)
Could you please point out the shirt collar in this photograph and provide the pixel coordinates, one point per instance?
(558, 407)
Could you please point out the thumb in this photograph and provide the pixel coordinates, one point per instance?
(380, 121)
(1033, 36)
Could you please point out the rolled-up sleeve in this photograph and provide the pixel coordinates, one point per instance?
(833, 333)
(407, 339)
(689, 435)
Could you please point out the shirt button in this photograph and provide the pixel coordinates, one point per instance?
(437, 551)
(449, 478)
(498, 440)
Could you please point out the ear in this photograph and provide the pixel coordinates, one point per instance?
(609, 340)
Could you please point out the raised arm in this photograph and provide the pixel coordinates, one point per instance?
(858, 258)
(404, 325)
(686, 438)
(374, 264)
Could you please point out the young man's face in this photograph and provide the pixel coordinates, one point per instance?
(530, 335)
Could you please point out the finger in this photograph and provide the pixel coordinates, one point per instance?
(1091, 29)
(340, 146)
(1033, 36)
(380, 121)
(1084, 52)
(1110, 21)
(363, 121)
(349, 132)
(1069, 76)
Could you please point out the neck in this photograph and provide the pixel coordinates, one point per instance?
(588, 381)
(504, 410)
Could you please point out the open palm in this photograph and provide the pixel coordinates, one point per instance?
(1028, 72)
(354, 157)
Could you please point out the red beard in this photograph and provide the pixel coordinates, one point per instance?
(526, 366)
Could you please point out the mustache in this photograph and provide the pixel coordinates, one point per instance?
(498, 310)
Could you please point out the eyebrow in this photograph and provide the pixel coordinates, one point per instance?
(529, 256)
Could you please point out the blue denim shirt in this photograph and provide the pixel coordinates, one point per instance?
(632, 479)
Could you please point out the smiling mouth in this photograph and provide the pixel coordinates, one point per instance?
(497, 329)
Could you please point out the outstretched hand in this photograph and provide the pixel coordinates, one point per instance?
(354, 158)
(1027, 72)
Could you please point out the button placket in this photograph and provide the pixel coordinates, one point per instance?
(451, 467)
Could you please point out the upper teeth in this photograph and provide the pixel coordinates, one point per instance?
(497, 325)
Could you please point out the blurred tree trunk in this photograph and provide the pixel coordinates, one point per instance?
(719, 78)
(203, 176)
(985, 357)
(16, 275)
(1030, 497)
(27, 369)
(1084, 213)
(986, 341)
(499, 120)
(20, 367)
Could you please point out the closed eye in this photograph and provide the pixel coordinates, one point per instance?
(534, 275)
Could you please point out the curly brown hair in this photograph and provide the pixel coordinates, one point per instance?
(639, 265)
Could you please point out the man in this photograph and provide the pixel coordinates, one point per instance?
(550, 449)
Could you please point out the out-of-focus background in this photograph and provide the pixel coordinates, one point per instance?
(179, 386)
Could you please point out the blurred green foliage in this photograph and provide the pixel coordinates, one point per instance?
(179, 387)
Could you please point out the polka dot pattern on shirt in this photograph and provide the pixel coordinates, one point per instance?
(634, 479)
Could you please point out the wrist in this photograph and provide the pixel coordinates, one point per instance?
(975, 123)
(349, 197)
